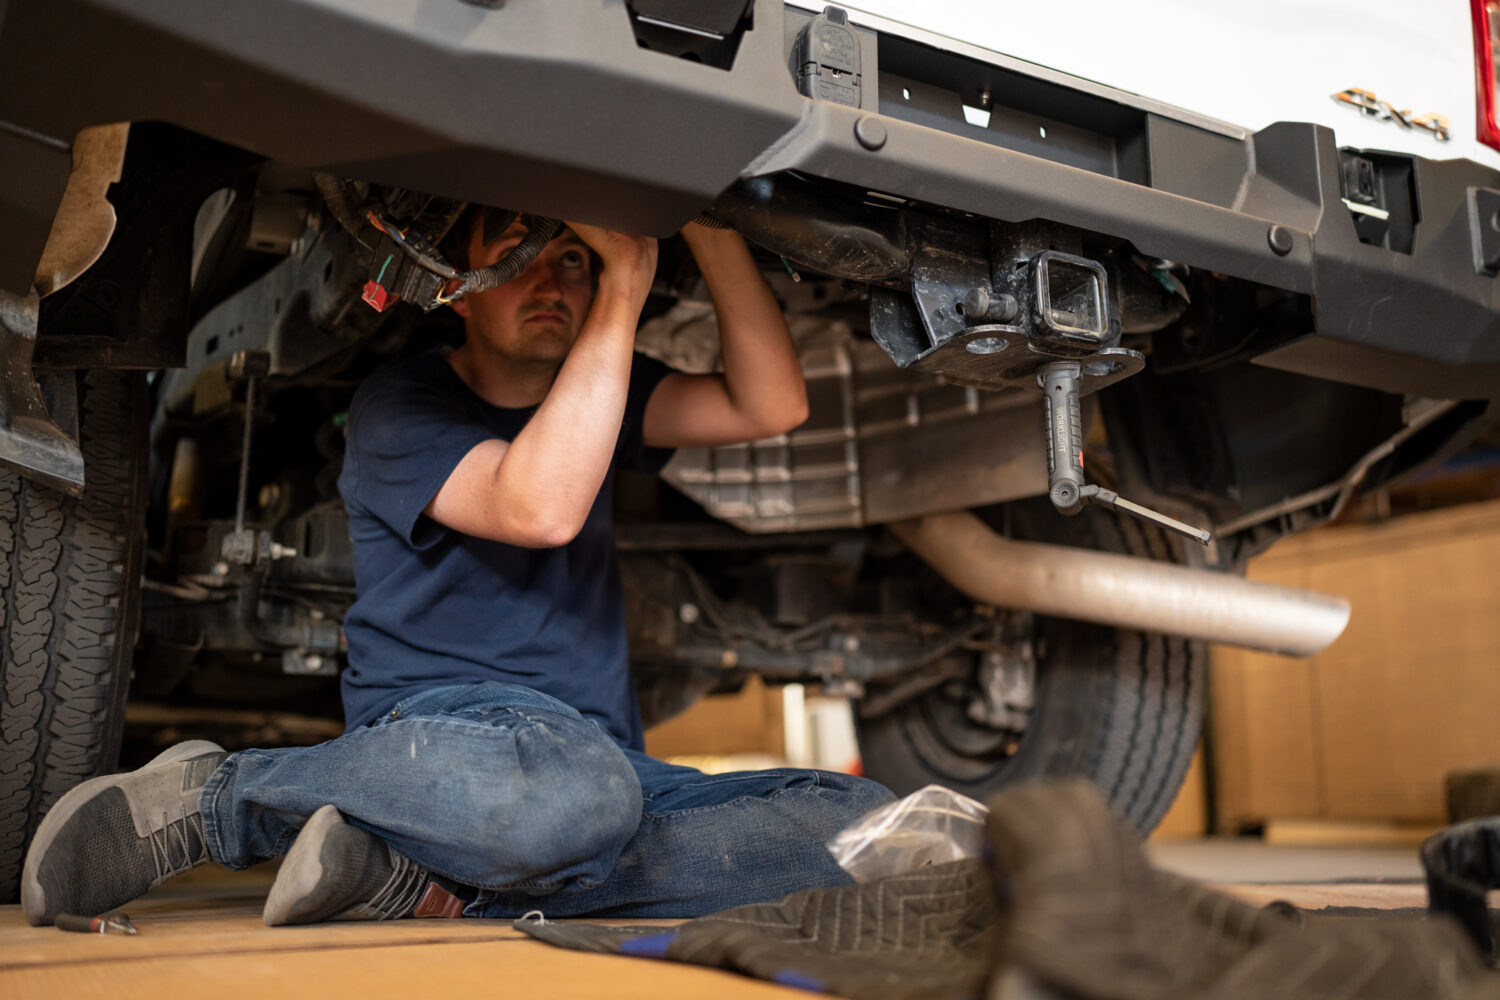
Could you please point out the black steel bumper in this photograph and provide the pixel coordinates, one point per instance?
(557, 109)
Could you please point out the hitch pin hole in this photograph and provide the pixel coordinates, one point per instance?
(986, 345)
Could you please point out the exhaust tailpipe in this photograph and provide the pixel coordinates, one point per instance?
(1122, 590)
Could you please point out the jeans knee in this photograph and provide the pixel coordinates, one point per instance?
(843, 800)
(566, 812)
(864, 795)
(585, 821)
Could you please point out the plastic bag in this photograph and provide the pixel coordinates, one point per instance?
(931, 826)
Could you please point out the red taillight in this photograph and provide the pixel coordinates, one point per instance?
(1486, 44)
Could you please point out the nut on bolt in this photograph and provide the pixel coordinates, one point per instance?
(275, 550)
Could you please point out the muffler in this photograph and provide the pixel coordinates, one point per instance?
(1124, 591)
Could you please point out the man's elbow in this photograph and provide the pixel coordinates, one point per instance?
(521, 514)
(552, 532)
(785, 418)
(798, 413)
(536, 529)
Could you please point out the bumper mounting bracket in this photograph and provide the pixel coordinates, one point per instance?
(31, 442)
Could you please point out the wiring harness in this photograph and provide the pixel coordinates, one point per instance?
(406, 263)
(403, 231)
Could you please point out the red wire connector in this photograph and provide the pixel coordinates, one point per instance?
(377, 296)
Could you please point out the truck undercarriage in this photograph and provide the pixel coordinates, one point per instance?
(1240, 319)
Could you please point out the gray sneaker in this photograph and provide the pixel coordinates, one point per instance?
(337, 871)
(111, 839)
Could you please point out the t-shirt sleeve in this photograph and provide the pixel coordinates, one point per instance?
(646, 374)
(406, 438)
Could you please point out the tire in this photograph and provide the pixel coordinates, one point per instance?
(1123, 708)
(69, 612)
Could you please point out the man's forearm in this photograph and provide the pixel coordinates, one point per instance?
(762, 374)
(560, 459)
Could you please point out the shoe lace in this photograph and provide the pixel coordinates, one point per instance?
(402, 891)
(172, 845)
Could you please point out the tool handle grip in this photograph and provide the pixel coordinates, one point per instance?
(75, 923)
(1059, 384)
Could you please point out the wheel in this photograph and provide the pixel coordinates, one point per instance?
(1124, 708)
(69, 610)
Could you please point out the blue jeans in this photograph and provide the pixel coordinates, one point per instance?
(510, 791)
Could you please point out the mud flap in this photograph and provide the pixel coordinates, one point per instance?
(31, 442)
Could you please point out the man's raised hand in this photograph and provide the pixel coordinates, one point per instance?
(629, 261)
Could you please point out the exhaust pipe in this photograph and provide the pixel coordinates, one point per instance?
(1122, 590)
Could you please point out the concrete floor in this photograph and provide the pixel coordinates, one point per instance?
(201, 936)
(1247, 860)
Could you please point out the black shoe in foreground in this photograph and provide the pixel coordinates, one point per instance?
(337, 871)
(111, 839)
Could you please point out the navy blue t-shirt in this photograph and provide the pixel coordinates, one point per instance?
(435, 606)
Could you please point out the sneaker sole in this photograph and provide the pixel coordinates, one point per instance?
(301, 869)
(33, 897)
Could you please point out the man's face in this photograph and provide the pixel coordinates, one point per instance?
(535, 317)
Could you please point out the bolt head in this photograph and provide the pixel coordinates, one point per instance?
(1280, 240)
(870, 133)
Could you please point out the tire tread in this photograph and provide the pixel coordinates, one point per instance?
(68, 615)
(1131, 707)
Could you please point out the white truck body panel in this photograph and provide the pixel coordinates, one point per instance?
(1249, 65)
